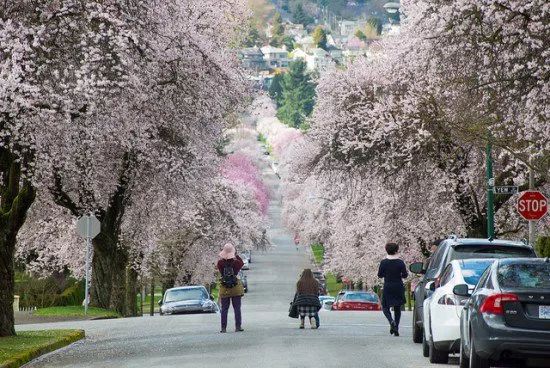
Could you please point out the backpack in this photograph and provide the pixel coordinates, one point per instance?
(229, 279)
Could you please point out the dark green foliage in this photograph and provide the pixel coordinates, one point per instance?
(299, 16)
(298, 96)
(252, 38)
(276, 89)
(360, 35)
(376, 24)
(542, 246)
(320, 37)
(277, 31)
(289, 43)
(48, 291)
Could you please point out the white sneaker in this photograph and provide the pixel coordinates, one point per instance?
(313, 323)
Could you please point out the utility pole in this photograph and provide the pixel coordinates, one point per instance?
(532, 228)
(490, 190)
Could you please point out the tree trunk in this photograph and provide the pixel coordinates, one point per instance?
(6, 285)
(16, 197)
(108, 289)
(131, 292)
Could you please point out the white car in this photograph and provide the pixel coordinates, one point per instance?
(442, 310)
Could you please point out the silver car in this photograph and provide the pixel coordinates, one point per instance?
(187, 299)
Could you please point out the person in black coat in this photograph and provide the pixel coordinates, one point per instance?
(393, 271)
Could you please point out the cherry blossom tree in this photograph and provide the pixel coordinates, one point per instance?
(100, 101)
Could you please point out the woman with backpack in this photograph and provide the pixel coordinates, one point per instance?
(231, 288)
(306, 300)
(393, 270)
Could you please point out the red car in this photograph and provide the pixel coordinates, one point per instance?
(357, 300)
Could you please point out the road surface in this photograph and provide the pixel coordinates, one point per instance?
(271, 339)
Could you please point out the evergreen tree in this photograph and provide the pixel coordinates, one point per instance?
(276, 89)
(320, 37)
(300, 16)
(298, 96)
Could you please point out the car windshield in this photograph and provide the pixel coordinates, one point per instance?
(472, 270)
(361, 297)
(185, 294)
(524, 275)
(490, 251)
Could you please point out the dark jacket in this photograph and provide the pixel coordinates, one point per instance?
(303, 299)
(237, 290)
(393, 271)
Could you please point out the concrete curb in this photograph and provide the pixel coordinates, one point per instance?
(23, 358)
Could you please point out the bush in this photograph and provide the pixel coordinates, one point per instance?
(542, 246)
(48, 292)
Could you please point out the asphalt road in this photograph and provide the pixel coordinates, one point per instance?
(271, 339)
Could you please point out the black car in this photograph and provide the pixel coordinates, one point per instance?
(458, 248)
(507, 317)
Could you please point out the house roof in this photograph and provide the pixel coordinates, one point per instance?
(272, 50)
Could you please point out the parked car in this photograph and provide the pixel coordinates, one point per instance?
(357, 300)
(442, 309)
(187, 299)
(458, 248)
(327, 302)
(244, 280)
(508, 314)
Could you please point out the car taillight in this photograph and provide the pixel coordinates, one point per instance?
(450, 299)
(493, 303)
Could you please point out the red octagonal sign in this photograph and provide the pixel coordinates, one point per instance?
(532, 205)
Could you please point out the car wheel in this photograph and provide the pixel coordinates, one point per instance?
(475, 360)
(425, 346)
(417, 330)
(436, 355)
(464, 359)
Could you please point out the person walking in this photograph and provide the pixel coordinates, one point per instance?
(231, 288)
(306, 299)
(393, 271)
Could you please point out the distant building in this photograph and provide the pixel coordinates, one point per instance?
(306, 43)
(348, 27)
(319, 60)
(275, 57)
(252, 58)
(295, 31)
(298, 54)
(336, 53)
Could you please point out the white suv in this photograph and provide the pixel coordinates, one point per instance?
(442, 310)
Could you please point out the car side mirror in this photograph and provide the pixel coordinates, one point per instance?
(462, 290)
(160, 302)
(430, 286)
(417, 268)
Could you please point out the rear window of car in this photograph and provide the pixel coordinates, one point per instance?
(185, 294)
(472, 270)
(524, 275)
(490, 251)
(361, 297)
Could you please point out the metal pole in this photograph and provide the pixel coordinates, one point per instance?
(86, 289)
(490, 191)
(532, 228)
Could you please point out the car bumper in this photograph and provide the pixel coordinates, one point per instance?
(189, 310)
(496, 341)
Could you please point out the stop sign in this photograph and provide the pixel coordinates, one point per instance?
(532, 205)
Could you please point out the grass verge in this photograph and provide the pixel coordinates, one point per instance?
(76, 311)
(333, 286)
(27, 345)
(318, 253)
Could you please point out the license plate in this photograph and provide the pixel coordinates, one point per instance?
(544, 311)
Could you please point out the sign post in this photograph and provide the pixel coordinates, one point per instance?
(532, 206)
(88, 226)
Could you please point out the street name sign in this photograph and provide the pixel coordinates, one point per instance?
(532, 205)
(510, 190)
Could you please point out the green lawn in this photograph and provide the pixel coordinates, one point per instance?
(318, 253)
(75, 311)
(27, 345)
(333, 286)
